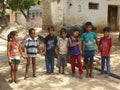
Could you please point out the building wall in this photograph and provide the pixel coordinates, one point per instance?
(77, 12)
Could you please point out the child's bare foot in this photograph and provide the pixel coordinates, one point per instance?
(63, 72)
(73, 74)
(80, 77)
(11, 81)
(87, 75)
(34, 75)
(26, 77)
(16, 81)
(106, 76)
(91, 75)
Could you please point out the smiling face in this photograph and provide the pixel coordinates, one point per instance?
(106, 33)
(32, 34)
(15, 37)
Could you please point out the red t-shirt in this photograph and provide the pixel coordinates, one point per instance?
(106, 44)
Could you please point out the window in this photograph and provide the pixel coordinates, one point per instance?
(93, 6)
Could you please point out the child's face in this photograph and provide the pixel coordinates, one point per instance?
(106, 34)
(63, 35)
(32, 34)
(51, 31)
(76, 33)
(89, 28)
(16, 37)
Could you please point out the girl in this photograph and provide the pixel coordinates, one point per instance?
(61, 50)
(74, 52)
(14, 51)
(31, 48)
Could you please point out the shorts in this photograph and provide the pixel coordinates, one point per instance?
(89, 56)
(14, 61)
(62, 60)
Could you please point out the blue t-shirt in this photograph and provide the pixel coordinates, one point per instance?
(88, 39)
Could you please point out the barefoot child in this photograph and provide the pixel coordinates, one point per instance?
(49, 50)
(74, 52)
(105, 46)
(61, 50)
(14, 52)
(88, 48)
(31, 48)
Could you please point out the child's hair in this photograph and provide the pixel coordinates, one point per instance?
(88, 24)
(62, 30)
(106, 29)
(75, 29)
(11, 35)
(51, 27)
(30, 30)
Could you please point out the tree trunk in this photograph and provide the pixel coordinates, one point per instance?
(26, 16)
(3, 13)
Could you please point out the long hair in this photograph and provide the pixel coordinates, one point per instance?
(11, 35)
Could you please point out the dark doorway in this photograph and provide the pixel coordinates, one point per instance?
(112, 17)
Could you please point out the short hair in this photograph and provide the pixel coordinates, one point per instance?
(51, 27)
(63, 30)
(30, 30)
(88, 24)
(107, 29)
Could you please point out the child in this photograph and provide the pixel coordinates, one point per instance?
(74, 52)
(14, 52)
(105, 46)
(31, 48)
(88, 47)
(49, 50)
(61, 50)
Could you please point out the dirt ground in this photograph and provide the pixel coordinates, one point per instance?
(57, 81)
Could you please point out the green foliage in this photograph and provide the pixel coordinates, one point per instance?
(21, 4)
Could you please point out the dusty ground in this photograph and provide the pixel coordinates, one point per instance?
(58, 82)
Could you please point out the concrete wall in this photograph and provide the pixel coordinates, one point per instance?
(77, 12)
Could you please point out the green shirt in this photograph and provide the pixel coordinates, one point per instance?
(88, 39)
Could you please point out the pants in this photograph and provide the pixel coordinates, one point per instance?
(73, 60)
(49, 59)
(107, 61)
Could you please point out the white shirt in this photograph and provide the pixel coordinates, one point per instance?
(62, 45)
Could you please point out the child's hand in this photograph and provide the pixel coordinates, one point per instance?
(83, 54)
(44, 53)
(25, 57)
(9, 61)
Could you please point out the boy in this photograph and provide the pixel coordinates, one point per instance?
(62, 50)
(105, 46)
(88, 48)
(49, 50)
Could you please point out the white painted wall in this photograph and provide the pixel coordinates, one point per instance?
(57, 13)
(79, 13)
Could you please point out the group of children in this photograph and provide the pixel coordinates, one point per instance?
(64, 48)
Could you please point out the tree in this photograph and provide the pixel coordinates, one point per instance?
(22, 5)
(3, 4)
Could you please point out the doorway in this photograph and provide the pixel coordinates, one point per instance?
(113, 17)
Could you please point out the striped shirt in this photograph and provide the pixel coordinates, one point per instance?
(31, 46)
